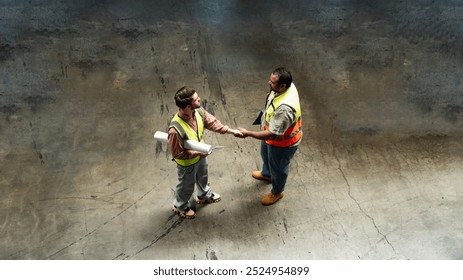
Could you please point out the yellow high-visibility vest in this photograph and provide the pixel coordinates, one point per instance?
(187, 133)
(294, 133)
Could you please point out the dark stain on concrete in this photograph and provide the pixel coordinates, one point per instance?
(453, 112)
(38, 101)
(6, 51)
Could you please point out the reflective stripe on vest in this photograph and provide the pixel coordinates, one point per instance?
(294, 133)
(187, 133)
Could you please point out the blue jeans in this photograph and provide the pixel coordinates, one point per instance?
(188, 178)
(276, 164)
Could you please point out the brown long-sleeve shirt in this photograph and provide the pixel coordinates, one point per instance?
(176, 147)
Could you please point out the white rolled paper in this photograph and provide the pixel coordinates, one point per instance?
(160, 136)
(198, 146)
(189, 144)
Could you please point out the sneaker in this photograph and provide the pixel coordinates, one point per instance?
(187, 213)
(271, 198)
(215, 197)
(258, 175)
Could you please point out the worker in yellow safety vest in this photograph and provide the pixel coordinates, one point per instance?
(192, 166)
(281, 133)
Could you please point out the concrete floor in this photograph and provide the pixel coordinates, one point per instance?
(84, 85)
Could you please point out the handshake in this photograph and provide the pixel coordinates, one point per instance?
(239, 132)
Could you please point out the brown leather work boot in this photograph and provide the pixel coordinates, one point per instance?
(258, 175)
(271, 198)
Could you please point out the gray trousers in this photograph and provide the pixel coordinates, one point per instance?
(188, 178)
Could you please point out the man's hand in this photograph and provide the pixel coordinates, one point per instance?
(235, 132)
(196, 153)
(243, 133)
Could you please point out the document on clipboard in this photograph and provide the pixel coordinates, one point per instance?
(258, 119)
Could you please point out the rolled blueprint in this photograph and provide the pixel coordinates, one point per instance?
(189, 144)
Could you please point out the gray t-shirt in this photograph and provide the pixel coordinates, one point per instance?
(282, 118)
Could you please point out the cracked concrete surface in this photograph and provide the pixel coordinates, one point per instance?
(85, 85)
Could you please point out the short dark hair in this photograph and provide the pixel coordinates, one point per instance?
(183, 97)
(284, 76)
